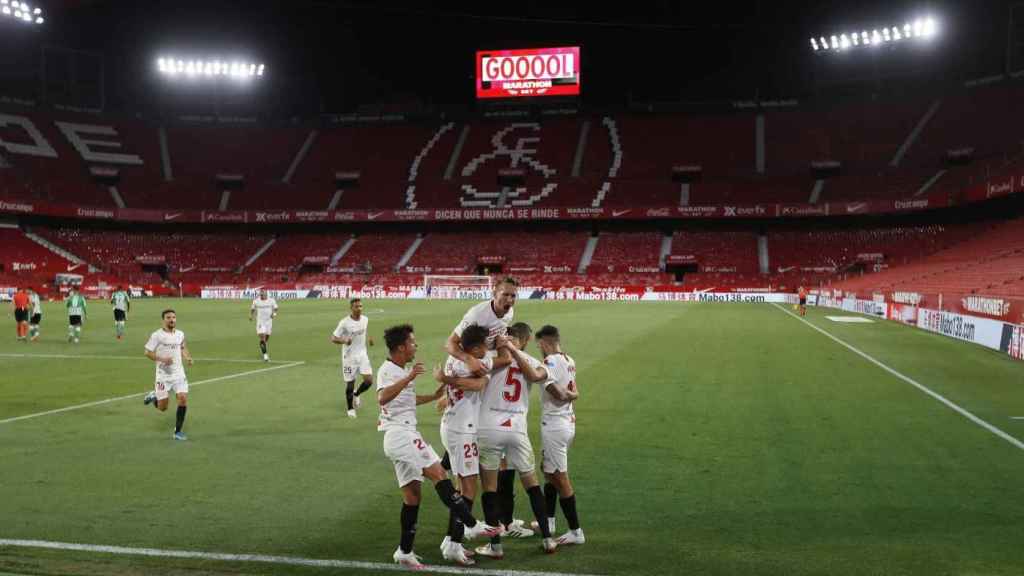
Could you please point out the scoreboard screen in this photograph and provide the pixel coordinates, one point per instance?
(529, 72)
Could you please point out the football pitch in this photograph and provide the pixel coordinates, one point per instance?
(711, 439)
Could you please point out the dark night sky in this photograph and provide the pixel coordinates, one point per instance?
(337, 56)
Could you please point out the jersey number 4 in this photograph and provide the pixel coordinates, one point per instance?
(515, 382)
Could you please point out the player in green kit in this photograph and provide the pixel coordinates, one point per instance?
(36, 315)
(122, 303)
(77, 314)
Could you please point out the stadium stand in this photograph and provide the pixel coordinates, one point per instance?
(988, 259)
(632, 153)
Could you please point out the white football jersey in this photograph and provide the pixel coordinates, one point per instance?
(400, 413)
(483, 315)
(506, 400)
(164, 343)
(264, 309)
(463, 411)
(556, 414)
(356, 330)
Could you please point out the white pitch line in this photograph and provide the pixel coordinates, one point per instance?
(139, 357)
(289, 560)
(949, 403)
(138, 394)
(1016, 417)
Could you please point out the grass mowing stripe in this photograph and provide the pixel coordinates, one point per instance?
(952, 405)
(291, 560)
(139, 357)
(138, 394)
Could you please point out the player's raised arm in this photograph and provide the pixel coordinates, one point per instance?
(389, 393)
(428, 398)
(454, 348)
(504, 357)
(473, 384)
(532, 374)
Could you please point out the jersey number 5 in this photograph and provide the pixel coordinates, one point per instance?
(515, 382)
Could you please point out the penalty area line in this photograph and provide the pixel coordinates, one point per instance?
(141, 394)
(949, 403)
(266, 559)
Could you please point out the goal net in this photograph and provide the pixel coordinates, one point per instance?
(457, 287)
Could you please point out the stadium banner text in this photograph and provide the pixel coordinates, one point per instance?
(760, 211)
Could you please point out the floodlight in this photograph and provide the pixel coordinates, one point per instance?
(928, 28)
(921, 27)
(210, 68)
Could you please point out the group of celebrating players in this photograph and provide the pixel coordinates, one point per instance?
(484, 393)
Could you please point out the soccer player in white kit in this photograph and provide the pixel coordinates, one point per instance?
(495, 315)
(459, 426)
(264, 310)
(351, 334)
(412, 457)
(504, 406)
(558, 430)
(167, 348)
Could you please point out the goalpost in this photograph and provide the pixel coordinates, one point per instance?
(457, 287)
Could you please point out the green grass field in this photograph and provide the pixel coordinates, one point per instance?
(712, 439)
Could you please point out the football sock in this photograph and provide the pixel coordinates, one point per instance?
(569, 508)
(263, 347)
(409, 516)
(348, 393)
(539, 512)
(180, 418)
(458, 528)
(550, 499)
(507, 494)
(446, 461)
(492, 511)
(454, 501)
(363, 387)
